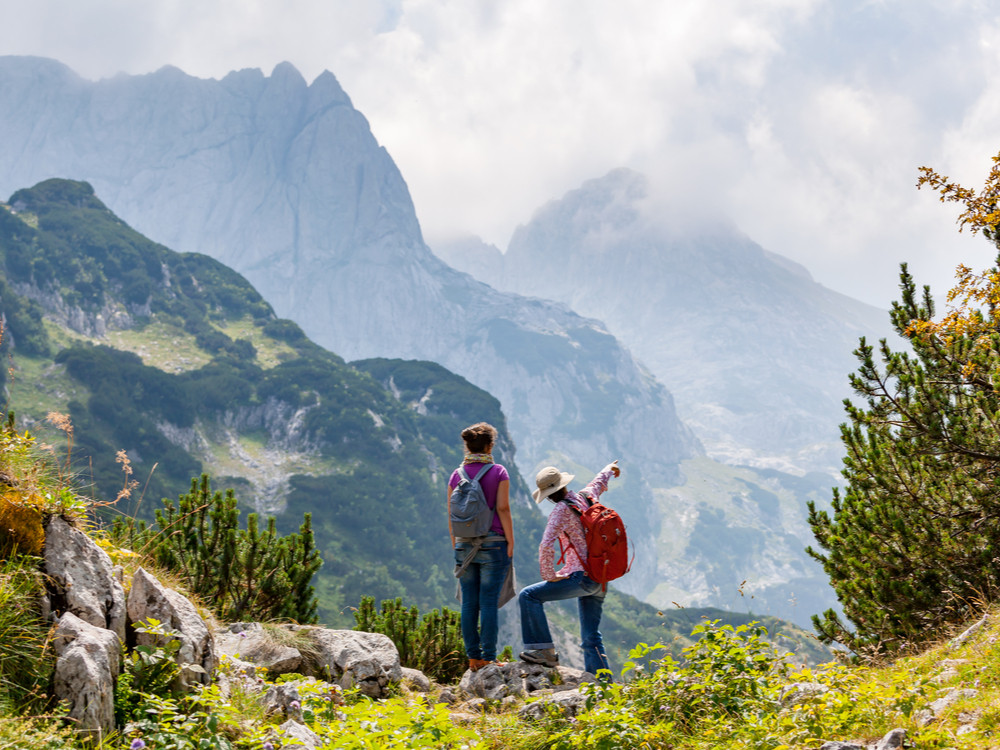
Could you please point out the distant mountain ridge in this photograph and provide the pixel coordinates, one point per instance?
(755, 351)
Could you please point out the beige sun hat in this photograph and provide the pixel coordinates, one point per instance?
(550, 480)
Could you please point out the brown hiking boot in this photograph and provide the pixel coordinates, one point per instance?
(476, 664)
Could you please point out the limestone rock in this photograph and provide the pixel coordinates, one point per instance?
(86, 668)
(951, 698)
(368, 660)
(82, 578)
(297, 735)
(149, 598)
(250, 642)
(417, 679)
(892, 741)
(495, 682)
(569, 702)
(283, 699)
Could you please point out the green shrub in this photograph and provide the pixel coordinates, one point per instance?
(243, 574)
(432, 643)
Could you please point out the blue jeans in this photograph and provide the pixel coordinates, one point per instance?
(481, 583)
(590, 600)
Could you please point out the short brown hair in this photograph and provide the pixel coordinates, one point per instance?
(479, 437)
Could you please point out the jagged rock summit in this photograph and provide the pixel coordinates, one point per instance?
(284, 181)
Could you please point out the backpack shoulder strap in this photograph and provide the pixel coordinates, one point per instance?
(463, 475)
(483, 471)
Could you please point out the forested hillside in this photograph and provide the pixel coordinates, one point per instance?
(178, 361)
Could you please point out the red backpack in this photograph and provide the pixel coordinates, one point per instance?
(607, 543)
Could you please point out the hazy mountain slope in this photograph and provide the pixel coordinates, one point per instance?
(755, 351)
(285, 182)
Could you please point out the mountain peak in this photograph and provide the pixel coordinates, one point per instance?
(327, 87)
(285, 72)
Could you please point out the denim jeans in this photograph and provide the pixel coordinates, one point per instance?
(590, 601)
(481, 583)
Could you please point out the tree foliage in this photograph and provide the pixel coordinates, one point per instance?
(432, 643)
(911, 545)
(245, 574)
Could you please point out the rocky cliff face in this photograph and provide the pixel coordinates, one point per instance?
(284, 182)
(756, 352)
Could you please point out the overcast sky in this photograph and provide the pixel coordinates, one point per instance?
(802, 120)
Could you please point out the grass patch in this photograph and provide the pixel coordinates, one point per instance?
(270, 352)
(162, 345)
(38, 386)
(26, 663)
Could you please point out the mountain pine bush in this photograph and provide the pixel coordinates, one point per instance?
(432, 643)
(244, 574)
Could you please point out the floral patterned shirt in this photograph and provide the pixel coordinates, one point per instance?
(564, 526)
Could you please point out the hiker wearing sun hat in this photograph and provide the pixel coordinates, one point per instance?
(571, 581)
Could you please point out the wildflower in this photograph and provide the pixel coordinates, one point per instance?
(137, 744)
(267, 746)
(295, 705)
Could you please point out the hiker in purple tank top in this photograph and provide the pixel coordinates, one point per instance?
(483, 562)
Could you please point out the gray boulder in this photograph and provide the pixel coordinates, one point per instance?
(296, 735)
(892, 741)
(82, 579)
(417, 680)
(495, 682)
(149, 598)
(86, 668)
(250, 642)
(283, 699)
(570, 702)
(351, 657)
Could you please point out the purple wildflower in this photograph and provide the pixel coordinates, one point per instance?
(137, 744)
(267, 746)
(295, 705)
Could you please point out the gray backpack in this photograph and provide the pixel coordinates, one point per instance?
(471, 515)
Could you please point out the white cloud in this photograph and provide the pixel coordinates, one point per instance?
(806, 119)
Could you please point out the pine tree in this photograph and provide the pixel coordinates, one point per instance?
(244, 574)
(912, 544)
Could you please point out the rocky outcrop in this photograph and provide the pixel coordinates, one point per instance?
(519, 679)
(249, 642)
(569, 702)
(416, 680)
(87, 665)
(349, 657)
(147, 599)
(81, 578)
(894, 740)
